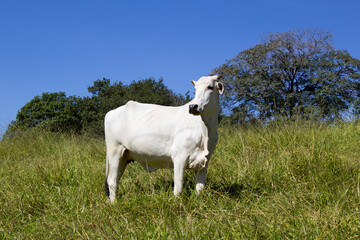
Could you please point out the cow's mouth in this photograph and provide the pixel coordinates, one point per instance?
(194, 112)
(194, 109)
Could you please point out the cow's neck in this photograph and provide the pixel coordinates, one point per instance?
(211, 122)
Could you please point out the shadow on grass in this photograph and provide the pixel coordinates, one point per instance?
(165, 183)
(234, 190)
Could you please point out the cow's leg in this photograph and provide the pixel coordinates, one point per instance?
(116, 167)
(200, 179)
(179, 168)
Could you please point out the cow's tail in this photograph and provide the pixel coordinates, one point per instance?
(106, 185)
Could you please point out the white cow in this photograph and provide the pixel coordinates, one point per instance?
(157, 136)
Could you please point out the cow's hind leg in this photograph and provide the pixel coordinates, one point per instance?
(115, 167)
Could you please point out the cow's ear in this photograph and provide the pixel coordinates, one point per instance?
(193, 82)
(220, 87)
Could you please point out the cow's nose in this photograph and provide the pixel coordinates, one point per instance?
(193, 107)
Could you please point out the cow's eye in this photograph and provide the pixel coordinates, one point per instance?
(210, 87)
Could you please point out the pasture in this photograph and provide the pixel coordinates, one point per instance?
(282, 181)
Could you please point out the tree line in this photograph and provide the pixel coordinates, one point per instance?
(60, 113)
(293, 74)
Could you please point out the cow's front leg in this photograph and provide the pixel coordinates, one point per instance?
(200, 179)
(179, 168)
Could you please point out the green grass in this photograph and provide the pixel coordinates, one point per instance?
(284, 181)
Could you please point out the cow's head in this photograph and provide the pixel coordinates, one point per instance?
(207, 90)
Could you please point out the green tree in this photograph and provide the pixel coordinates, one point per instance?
(107, 96)
(51, 111)
(56, 112)
(151, 91)
(291, 73)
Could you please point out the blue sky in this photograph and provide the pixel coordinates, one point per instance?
(63, 45)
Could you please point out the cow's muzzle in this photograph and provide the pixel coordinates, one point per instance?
(194, 109)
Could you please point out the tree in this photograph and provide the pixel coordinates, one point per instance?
(292, 73)
(107, 96)
(51, 111)
(151, 91)
(56, 112)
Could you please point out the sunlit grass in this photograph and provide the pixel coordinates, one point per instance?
(286, 180)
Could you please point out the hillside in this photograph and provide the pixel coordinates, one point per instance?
(286, 180)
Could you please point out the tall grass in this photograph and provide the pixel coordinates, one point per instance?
(286, 180)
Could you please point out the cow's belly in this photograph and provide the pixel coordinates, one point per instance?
(150, 163)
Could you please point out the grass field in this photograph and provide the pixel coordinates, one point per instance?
(284, 181)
